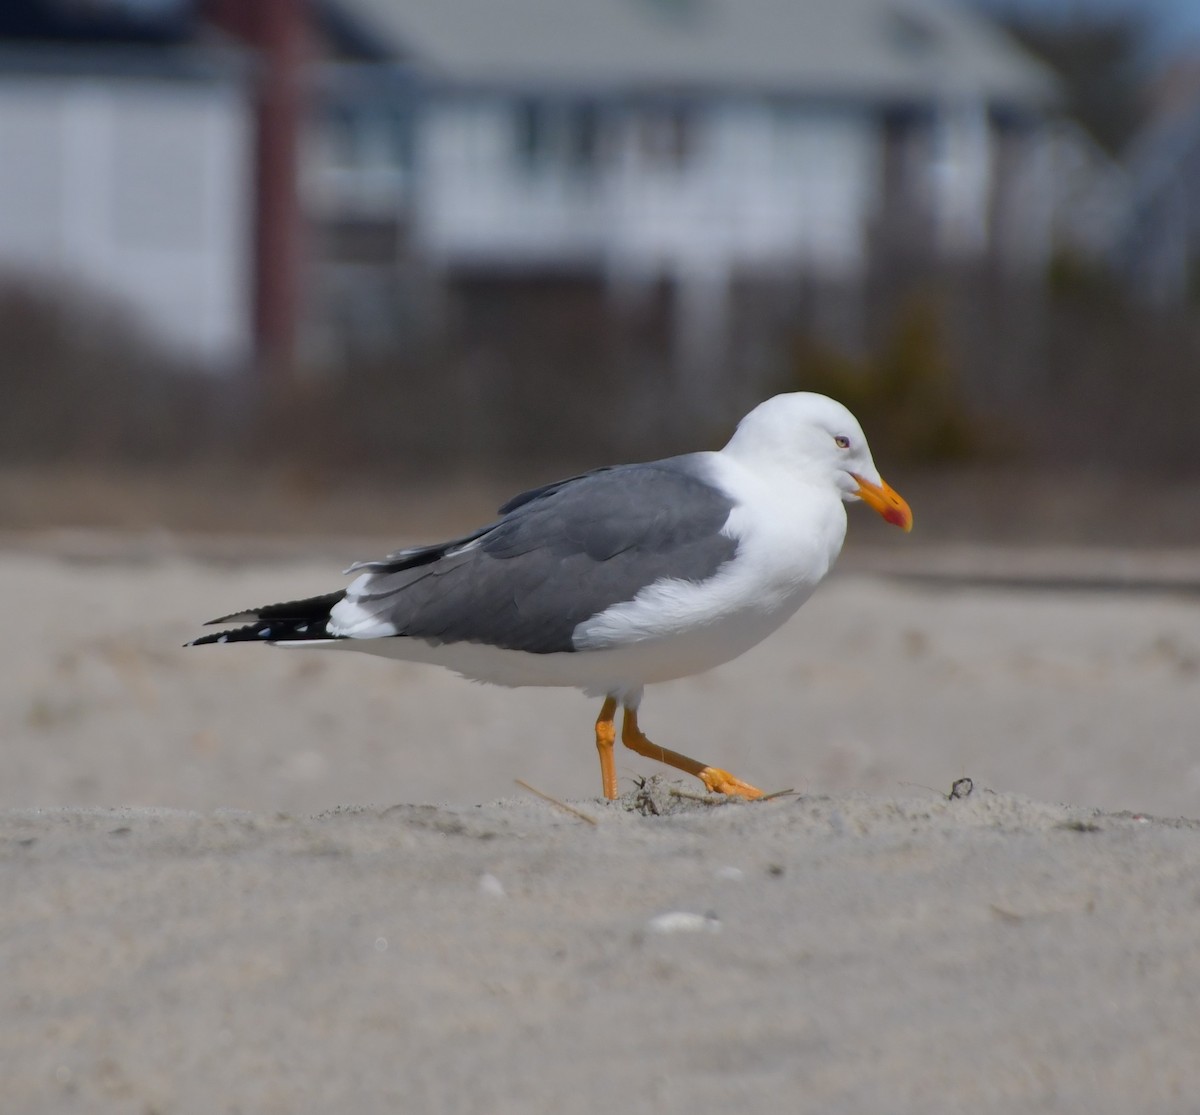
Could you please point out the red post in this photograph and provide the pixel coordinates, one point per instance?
(278, 30)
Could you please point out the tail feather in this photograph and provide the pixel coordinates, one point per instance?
(291, 621)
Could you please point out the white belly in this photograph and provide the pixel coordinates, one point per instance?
(617, 669)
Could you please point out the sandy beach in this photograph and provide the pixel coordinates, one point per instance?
(244, 880)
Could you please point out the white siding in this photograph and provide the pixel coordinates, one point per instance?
(477, 202)
(141, 189)
(754, 186)
(961, 176)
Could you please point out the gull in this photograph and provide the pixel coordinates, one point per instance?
(617, 578)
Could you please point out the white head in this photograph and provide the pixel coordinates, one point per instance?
(820, 441)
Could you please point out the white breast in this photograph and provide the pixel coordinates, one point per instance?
(788, 537)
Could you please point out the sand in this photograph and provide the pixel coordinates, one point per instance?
(239, 880)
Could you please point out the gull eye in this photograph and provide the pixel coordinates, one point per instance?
(842, 441)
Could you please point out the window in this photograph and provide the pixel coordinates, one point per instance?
(555, 138)
(668, 135)
(583, 136)
(531, 136)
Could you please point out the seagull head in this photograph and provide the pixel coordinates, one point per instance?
(818, 439)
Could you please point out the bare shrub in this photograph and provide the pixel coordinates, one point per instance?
(84, 384)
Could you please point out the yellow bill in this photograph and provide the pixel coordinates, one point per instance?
(884, 499)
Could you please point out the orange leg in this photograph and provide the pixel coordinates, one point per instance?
(606, 736)
(717, 781)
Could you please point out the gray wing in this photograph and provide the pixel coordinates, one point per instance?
(560, 555)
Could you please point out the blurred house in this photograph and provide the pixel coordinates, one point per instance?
(148, 148)
(125, 168)
(689, 141)
(1089, 195)
(1158, 247)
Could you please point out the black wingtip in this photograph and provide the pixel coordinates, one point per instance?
(292, 620)
(241, 635)
(269, 631)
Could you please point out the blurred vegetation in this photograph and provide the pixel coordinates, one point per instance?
(1073, 372)
(83, 383)
(1072, 278)
(906, 393)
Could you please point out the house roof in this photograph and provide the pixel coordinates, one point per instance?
(875, 49)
